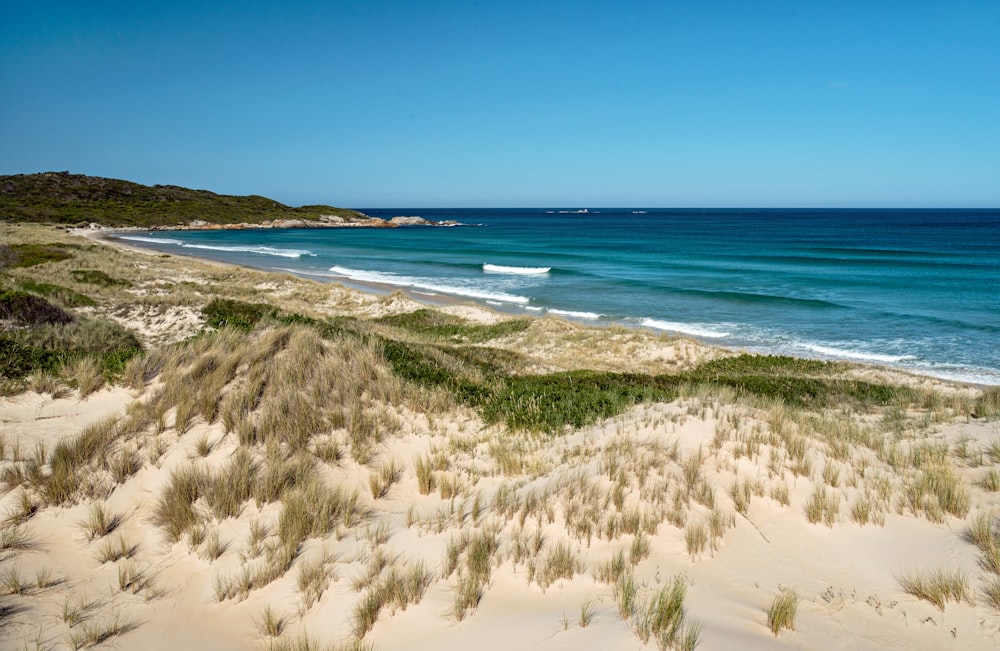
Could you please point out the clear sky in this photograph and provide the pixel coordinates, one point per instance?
(381, 103)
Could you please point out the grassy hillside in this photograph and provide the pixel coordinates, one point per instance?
(64, 198)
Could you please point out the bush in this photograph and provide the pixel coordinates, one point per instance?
(28, 310)
(223, 312)
(95, 277)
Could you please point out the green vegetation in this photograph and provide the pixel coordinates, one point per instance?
(64, 198)
(25, 309)
(487, 378)
(223, 312)
(938, 587)
(435, 324)
(28, 255)
(62, 295)
(781, 613)
(96, 277)
(55, 342)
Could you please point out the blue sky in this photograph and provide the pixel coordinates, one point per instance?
(413, 104)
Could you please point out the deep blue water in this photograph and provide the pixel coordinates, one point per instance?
(915, 289)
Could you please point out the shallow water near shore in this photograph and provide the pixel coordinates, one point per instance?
(915, 289)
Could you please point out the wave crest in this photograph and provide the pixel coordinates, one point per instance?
(431, 284)
(519, 271)
(693, 329)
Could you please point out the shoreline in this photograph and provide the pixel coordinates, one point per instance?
(444, 299)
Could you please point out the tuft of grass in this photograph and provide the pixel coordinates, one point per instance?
(100, 522)
(271, 624)
(12, 583)
(91, 634)
(397, 589)
(174, 510)
(984, 532)
(312, 580)
(662, 616)
(88, 376)
(14, 537)
(314, 510)
(559, 563)
(990, 480)
(781, 613)
(740, 492)
(991, 590)
(114, 550)
(383, 477)
(586, 613)
(822, 506)
(936, 490)
(696, 537)
(214, 547)
(938, 586)
(626, 593)
(132, 578)
(227, 490)
(75, 611)
(425, 474)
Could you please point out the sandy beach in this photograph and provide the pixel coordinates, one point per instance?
(287, 486)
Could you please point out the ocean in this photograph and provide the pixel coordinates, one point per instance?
(914, 289)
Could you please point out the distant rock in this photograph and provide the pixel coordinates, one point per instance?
(408, 221)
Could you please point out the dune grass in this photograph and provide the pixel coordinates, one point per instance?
(782, 611)
(100, 522)
(938, 586)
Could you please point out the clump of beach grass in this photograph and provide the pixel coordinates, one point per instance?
(936, 490)
(425, 474)
(822, 506)
(112, 550)
(938, 586)
(559, 563)
(90, 634)
(383, 477)
(991, 590)
(397, 588)
(174, 510)
(100, 522)
(984, 532)
(312, 580)
(88, 376)
(270, 624)
(782, 611)
(662, 616)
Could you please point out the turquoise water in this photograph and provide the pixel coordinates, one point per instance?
(914, 289)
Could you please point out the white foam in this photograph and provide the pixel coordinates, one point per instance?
(532, 308)
(693, 329)
(576, 315)
(855, 354)
(261, 250)
(146, 238)
(520, 271)
(431, 284)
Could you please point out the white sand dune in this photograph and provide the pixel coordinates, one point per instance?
(58, 594)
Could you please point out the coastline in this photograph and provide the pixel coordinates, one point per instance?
(865, 366)
(707, 490)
